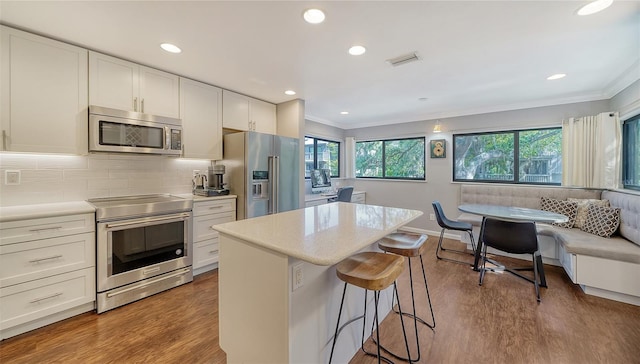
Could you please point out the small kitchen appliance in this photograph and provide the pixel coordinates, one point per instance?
(212, 183)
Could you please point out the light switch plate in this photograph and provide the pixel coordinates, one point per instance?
(298, 277)
(12, 177)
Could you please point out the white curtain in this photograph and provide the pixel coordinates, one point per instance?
(591, 151)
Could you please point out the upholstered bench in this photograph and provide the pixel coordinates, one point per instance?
(605, 267)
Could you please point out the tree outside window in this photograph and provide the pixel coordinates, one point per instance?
(393, 159)
(522, 156)
(631, 153)
(321, 154)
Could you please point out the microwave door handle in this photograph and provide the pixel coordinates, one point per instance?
(167, 137)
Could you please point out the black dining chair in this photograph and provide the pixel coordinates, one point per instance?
(343, 194)
(447, 224)
(515, 237)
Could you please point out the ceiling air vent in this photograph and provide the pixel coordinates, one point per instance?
(404, 59)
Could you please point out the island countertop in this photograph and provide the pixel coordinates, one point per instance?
(321, 235)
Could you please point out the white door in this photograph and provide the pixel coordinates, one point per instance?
(113, 82)
(263, 116)
(159, 92)
(201, 114)
(44, 94)
(235, 111)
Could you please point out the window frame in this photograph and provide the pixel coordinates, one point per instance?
(315, 154)
(516, 157)
(626, 151)
(384, 141)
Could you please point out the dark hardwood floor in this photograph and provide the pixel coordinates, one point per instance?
(499, 322)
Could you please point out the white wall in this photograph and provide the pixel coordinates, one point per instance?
(60, 178)
(439, 186)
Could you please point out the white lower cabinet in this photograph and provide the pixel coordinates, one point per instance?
(207, 213)
(47, 271)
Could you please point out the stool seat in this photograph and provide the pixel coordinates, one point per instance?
(370, 270)
(405, 244)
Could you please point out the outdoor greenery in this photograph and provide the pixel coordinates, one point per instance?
(631, 153)
(521, 156)
(321, 154)
(395, 159)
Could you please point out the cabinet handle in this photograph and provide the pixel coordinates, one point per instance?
(47, 228)
(43, 259)
(213, 252)
(46, 297)
(4, 139)
(135, 104)
(215, 207)
(142, 105)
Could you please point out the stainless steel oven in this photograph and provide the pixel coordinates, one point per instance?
(144, 246)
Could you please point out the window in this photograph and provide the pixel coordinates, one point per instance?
(392, 159)
(321, 154)
(631, 153)
(521, 156)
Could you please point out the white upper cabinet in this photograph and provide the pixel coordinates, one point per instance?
(235, 111)
(124, 85)
(245, 113)
(43, 94)
(263, 116)
(201, 114)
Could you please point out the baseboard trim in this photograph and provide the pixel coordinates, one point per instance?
(603, 293)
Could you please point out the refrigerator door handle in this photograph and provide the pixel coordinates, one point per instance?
(274, 184)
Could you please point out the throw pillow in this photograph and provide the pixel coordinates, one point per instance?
(583, 206)
(602, 221)
(570, 209)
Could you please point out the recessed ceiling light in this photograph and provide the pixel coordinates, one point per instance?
(557, 76)
(594, 7)
(290, 92)
(170, 48)
(357, 50)
(313, 16)
(344, 112)
(423, 99)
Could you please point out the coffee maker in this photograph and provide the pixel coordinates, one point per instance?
(214, 181)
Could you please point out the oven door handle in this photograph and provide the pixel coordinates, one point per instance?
(148, 221)
(147, 283)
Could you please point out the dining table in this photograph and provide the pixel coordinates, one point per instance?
(512, 213)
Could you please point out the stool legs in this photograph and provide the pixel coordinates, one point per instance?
(414, 315)
(376, 296)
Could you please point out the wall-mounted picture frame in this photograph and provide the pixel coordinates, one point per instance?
(438, 148)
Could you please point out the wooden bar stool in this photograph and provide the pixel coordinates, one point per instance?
(410, 246)
(371, 271)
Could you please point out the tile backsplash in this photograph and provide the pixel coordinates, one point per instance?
(61, 178)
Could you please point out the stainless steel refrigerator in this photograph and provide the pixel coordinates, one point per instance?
(263, 170)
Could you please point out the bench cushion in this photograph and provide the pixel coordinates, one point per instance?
(629, 205)
(576, 241)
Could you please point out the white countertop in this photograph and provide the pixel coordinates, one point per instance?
(321, 235)
(37, 211)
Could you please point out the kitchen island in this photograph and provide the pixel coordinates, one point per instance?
(278, 291)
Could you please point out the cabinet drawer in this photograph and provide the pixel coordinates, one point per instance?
(359, 198)
(212, 207)
(202, 229)
(25, 302)
(36, 259)
(35, 229)
(205, 253)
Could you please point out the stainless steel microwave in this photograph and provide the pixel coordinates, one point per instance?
(120, 131)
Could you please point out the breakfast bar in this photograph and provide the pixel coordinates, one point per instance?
(278, 291)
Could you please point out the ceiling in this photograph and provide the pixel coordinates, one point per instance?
(476, 56)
